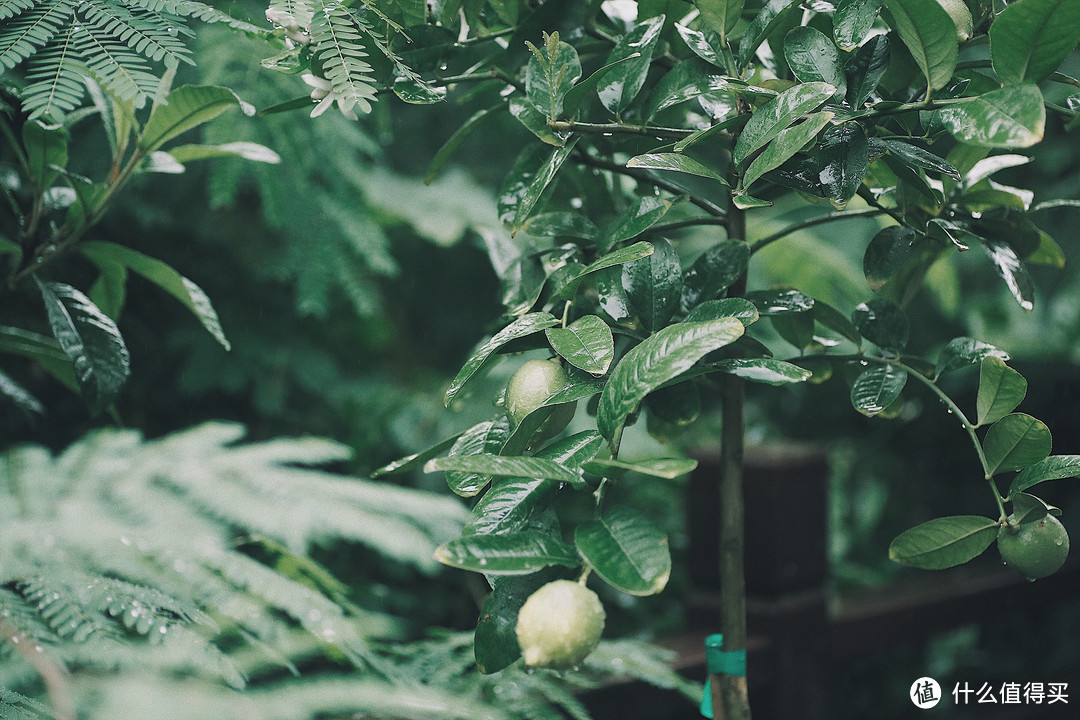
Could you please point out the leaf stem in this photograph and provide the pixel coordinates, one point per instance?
(814, 221)
(663, 133)
(706, 205)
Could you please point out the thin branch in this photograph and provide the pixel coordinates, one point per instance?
(706, 205)
(819, 220)
(51, 673)
(659, 132)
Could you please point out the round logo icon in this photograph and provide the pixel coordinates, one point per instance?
(925, 693)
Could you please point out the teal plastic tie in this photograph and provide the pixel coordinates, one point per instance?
(720, 662)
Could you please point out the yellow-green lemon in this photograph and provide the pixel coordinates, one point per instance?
(1034, 549)
(559, 625)
(530, 386)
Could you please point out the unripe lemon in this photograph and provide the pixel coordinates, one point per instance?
(1035, 549)
(530, 386)
(559, 625)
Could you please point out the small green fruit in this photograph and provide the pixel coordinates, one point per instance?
(1034, 549)
(559, 625)
(530, 386)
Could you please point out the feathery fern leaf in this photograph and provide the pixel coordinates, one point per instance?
(338, 46)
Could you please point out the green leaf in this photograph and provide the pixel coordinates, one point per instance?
(772, 15)
(620, 85)
(550, 74)
(720, 15)
(540, 181)
(917, 157)
(877, 388)
(813, 57)
(1030, 38)
(586, 343)
(865, 69)
(627, 550)
(1012, 117)
(518, 553)
(780, 300)
(485, 437)
(416, 460)
(963, 351)
(654, 284)
(882, 322)
(586, 87)
(642, 214)
(535, 121)
(1014, 442)
(677, 162)
(1012, 271)
(1001, 389)
(1054, 467)
(656, 360)
(739, 308)
(763, 370)
(19, 396)
(509, 504)
(162, 275)
(944, 542)
(706, 45)
(852, 21)
(845, 152)
(503, 466)
(790, 141)
(687, 80)
(521, 327)
(185, 108)
(43, 350)
(665, 468)
(241, 149)
(1028, 508)
(930, 36)
(556, 224)
(91, 341)
(774, 116)
(714, 271)
(46, 151)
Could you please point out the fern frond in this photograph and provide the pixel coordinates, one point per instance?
(338, 46)
(11, 8)
(14, 706)
(149, 37)
(302, 11)
(122, 72)
(32, 29)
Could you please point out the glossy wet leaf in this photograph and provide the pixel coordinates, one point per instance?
(627, 550)
(964, 351)
(772, 15)
(164, 276)
(877, 388)
(930, 36)
(91, 341)
(416, 460)
(539, 183)
(689, 79)
(714, 270)
(618, 87)
(654, 284)
(1029, 39)
(186, 108)
(882, 322)
(944, 542)
(813, 57)
(888, 254)
(844, 154)
(776, 115)
(763, 370)
(659, 358)
(1014, 442)
(561, 223)
(551, 72)
(677, 162)
(852, 21)
(1012, 271)
(780, 300)
(720, 15)
(504, 466)
(706, 45)
(586, 343)
(865, 69)
(642, 214)
(796, 328)
(521, 327)
(1012, 117)
(1001, 389)
(1055, 467)
(534, 121)
(788, 142)
(917, 157)
(46, 148)
(484, 437)
(739, 308)
(664, 468)
(519, 553)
